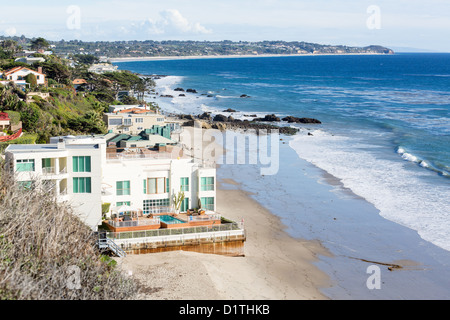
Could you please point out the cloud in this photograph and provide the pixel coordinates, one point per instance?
(11, 31)
(171, 22)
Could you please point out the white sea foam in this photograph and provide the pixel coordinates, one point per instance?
(402, 197)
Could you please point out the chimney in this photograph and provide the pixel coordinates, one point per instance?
(61, 144)
(40, 69)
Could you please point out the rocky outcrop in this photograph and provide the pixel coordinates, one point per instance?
(205, 116)
(229, 110)
(220, 118)
(178, 89)
(191, 90)
(244, 96)
(291, 119)
(269, 118)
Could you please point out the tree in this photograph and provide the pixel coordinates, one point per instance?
(86, 58)
(8, 48)
(39, 44)
(178, 200)
(31, 79)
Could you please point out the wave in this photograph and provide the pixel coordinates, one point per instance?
(421, 162)
(416, 200)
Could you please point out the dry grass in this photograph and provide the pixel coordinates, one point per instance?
(47, 253)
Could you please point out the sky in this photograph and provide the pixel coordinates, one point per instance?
(392, 23)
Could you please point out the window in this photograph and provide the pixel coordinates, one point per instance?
(82, 164)
(208, 203)
(47, 166)
(184, 205)
(25, 165)
(115, 122)
(27, 185)
(127, 122)
(156, 185)
(184, 184)
(207, 183)
(123, 188)
(155, 206)
(159, 119)
(123, 203)
(82, 185)
(139, 120)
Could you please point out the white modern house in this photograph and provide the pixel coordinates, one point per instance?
(86, 173)
(102, 68)
(132, 121)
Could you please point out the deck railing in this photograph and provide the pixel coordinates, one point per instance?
(175, 231)
(134, 223)
(204, 217)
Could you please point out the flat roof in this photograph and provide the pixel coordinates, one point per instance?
(48, 147)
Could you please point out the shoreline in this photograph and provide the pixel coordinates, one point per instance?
(161, 58)
(356, 234)
(275, 266)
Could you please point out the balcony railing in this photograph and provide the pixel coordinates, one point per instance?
(176, 231)
(204, 217)
(48, 170)
(134, 223)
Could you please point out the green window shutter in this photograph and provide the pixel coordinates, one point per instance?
(145, 186)
(126, 187)
(167, 185)
(81, 166)
(75, 185)
(88, 185)
(88, 163)
(75, 164)
(119, 188)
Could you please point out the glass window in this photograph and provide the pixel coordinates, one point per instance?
(123, 203)
(123, 188)
(82, 164)
(184, 184)
(207, 183)
(26, 184)
(25, 165)
(155, 206)
(82, 185)
(157, 185)
(184, 205)
(207, 203)
(115, 122)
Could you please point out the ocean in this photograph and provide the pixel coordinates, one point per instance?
(384, 138)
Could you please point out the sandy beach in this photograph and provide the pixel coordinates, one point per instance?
(275, 266)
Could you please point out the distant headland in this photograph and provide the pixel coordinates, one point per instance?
(149, 49)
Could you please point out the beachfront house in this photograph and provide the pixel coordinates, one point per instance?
(102, 68)
(132, 120)
(87, 173)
